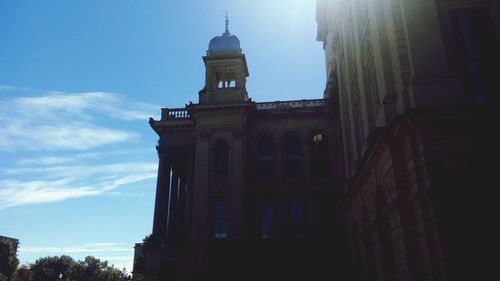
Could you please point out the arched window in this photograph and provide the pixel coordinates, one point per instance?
(320, 164)
(293, 158)
(265, 158)
(221, 157)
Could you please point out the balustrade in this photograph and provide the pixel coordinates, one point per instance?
(174, 114)
(290, 104)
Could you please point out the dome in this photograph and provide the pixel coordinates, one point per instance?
(225, 42)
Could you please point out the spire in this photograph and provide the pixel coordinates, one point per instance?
(227, 25)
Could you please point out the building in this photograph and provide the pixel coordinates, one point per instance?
(246, 190)
(14, 242)
(390, 177)
(416, 84)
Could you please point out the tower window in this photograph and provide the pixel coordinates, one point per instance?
(220, 219)
(478, 48)
(266, 158)
(320, 156)
(293, 165)
(267, 220)
(221, 157)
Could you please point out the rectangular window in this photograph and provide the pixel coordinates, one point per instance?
(297, 219)
(478, 48)
(267, 220)
(220, 219)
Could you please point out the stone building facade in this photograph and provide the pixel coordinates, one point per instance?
(246, 190)
(416, 84)
(391, 176)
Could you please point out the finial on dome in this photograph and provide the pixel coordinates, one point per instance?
(227, 25)
(226, 42)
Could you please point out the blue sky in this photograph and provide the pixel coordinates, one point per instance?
(78, 82)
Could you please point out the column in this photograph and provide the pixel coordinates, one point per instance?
(306, 158)
(189, 191)
(236, 216)
(200, 212)
(181, 207)
(174, 188)
(162, 194)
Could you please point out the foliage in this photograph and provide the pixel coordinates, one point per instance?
(49, 268)
(64, 268)
(92, 269)
(8, 261)
(147, 240)
(137, 277)
(24, 274)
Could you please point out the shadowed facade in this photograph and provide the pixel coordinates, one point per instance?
(417, 91)
(389, 177)
(246, 190)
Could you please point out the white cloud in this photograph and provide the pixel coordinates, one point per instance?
(55, 160)
(55, 123)
(9, 88)
(67, 121)
(68, 182)
(116, 254)
(17, 193)
(85, 248)
(77, 171)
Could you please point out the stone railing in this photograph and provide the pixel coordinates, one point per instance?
(174, 114)
(290, 104)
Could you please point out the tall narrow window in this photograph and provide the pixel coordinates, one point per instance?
(221, 157)
(267, 220)
(266, 158)
(297, 219)
(320, 156)
(220, 219)
(293, 164)
(479, 53)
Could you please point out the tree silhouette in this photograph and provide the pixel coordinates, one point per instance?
(8, 261)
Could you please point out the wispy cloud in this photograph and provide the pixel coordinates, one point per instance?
(116, 254)
(67, 121)
(9, 88)
(53, 127)
(55, 160)
(68, 182)
(85, 248)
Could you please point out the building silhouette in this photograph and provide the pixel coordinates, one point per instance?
(246, 190)
(415, 84)
(391, 176)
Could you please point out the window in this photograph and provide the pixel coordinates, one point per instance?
(293, 165)
(267, 220)
(479, 53)
(220, 219)
(221, 157)
(320, 156)
(266, 158)
(297, 219)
